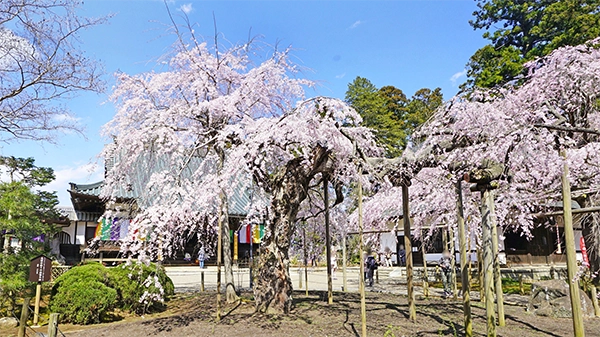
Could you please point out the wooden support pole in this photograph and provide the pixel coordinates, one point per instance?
(480, 274)
(361, 277)
(412, 310)
(53, 325)
(425, 273)
(202, 280)
(464, 267)
(344, 264)
(24, 316)
(453, 263)
(488, 261)
(327, 239)
(497, 274)
(36, 309)
(219, 253)
(570, 250)
(305, 259)
(594, 296)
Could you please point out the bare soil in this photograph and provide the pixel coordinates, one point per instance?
(387, 315)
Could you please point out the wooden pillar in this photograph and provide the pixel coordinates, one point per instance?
(425, 273)
(24, 317)
(594, 297)
(412, 310)
(497, 274)
(361, 277)
(464, 267)
(202, 280)
(53, 325)
(305, 260)
(488, 261)
(327, 239)
(344, 264)
(36, 309)
(480, 274)
(219, 253)
(570, 250)
(453, 263)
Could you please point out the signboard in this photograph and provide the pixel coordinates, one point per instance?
(584, 256)
(40, 269)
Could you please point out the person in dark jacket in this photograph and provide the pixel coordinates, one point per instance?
(370, 266)
(446, 269)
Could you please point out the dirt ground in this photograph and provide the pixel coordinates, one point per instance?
(194, 315)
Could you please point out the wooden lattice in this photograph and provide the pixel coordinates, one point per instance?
(59, 270)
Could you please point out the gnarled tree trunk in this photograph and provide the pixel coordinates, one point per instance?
(230, 292)
(273, 286)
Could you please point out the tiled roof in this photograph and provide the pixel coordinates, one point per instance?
(144, 168)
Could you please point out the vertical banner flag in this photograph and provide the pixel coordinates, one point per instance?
(584, 256)
(245, 235)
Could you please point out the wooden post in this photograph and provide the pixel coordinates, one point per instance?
(521, 286)
(570, 250)
(464, 267)
(219, 247)
(453, 263)
(594, 296)
(305, 259)
(53, 325)
(36, 309)
(299, 278)
(344, 263)
(202, 280)
(497, 274)
(412, 310)
(425, 273)
(361, 277)
(488, 261)
(480, 273)
(327, 239)
(24, 316)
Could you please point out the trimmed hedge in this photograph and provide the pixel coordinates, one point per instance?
(89, 293)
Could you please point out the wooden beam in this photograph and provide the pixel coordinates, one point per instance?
(568, 129)
(574, 211)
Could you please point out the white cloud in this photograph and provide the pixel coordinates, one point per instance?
(342, 75)
(355, 24)
(65, 117)
(458, 75)
(81, 174)
(186, 8)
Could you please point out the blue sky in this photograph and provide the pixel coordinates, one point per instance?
(407, 44)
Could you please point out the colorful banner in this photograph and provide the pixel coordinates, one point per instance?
(112, 229)
(244, 234)
(258, 232)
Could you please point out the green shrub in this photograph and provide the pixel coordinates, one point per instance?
(87, 293)
(82, 295)
(141, 287)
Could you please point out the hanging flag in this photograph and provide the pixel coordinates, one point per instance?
(235, 246)
(584, 256)
(245, 235)
(98, 232)
(105, 235)
(115, 229)
(256, 234)
(124, 229)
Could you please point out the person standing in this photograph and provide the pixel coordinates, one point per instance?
(201, 257)
(402, 256)
(370, 266)
(446, 269)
